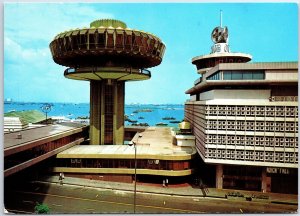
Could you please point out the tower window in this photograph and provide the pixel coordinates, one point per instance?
(244, 75)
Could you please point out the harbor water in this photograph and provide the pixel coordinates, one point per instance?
(151, 114)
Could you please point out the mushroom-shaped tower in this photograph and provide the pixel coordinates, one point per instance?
(107, 54)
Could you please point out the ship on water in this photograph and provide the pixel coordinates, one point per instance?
(8, 101)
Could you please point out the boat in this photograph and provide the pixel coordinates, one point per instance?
(174, 121)
(168, 108)
(161, 124)
(141, 117)
(168, 118)
(8, 101)
(140, 124)
(142, 110)
(131, 121)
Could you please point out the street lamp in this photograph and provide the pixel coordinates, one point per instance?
(46, 108)
(135, 165)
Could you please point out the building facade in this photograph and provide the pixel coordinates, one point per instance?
(245, 119)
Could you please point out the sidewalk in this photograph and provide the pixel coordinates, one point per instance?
(179, 190)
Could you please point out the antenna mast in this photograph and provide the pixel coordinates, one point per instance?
(221, 18)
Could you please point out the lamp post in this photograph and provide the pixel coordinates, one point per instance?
(46, 108)
(135, 165)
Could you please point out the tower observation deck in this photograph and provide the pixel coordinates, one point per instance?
(220, 52)
(107, 54)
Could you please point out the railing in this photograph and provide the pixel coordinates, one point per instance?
(146, 72)
(73, 70)
(69, 70)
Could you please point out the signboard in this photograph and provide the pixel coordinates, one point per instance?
(274, 170)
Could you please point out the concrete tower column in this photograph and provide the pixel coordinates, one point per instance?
(96, 112)
(107, 112)
(219, 176)
(264, 180)
(119, 113)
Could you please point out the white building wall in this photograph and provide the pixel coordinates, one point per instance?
(236, 94)
(253, 133)
(281, 75)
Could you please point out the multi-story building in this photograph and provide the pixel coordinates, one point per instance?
(245, 119)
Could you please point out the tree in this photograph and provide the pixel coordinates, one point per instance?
(41, 208)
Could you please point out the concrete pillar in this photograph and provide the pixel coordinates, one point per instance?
(219, 176)
(97, 111)
(119, 113)
(264, 180)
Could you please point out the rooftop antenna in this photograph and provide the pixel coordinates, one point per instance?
(221, 18)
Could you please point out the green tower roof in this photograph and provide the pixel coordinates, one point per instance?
(108, 22)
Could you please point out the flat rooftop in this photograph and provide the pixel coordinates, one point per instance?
(155, 143)
(33, 135)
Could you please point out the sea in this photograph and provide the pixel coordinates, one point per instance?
(151, 114)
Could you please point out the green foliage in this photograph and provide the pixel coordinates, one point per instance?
(235, 194)
(31, 116)
(41, 208)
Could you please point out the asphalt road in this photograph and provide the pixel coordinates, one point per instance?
(77, 199)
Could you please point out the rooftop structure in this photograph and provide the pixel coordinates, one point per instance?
(14, 124)
(156, 155)
(245, 119)
(107, 54)
(25, 148)
(220, 52)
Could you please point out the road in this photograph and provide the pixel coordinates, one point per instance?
(78, 199)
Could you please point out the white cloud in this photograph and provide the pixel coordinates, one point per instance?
(29, 71)
(31, 75)
(42, 21)
(14, 52)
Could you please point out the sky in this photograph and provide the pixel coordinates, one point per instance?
(267, 31)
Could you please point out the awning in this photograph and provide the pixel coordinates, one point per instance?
(75, 32)
(120, 31)
(92, 31)
(83, 31)
(128, 32)
(136, 33)
(62, 35)
(101, 30)
(110, 30)
(68, 33)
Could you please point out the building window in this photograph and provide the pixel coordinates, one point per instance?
(236, 75)
(227, 75)
(258, 75)
(215, 76)
(244, 75)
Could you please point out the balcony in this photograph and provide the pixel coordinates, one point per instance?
(101, 73)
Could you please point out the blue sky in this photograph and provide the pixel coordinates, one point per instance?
(267, 31)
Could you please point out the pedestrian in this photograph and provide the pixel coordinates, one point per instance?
(167, 182)
(164, 183)
(61, 177)
(201, 183)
